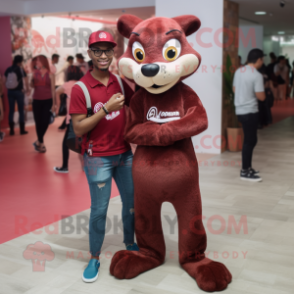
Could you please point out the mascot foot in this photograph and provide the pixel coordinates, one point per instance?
(129, 264)
(210, 275)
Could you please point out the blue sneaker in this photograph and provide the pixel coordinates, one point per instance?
(133, 247)
(90, 274)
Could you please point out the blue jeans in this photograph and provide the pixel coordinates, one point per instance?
(99, 172)
(17, 96)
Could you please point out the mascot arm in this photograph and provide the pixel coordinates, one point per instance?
(137, 131)
(191, 124)
(152, 134)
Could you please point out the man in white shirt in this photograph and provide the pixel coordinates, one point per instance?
(249, 88)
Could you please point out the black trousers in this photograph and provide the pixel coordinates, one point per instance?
(65, 150)
(18, 97)
(41, 111)
(249, 124)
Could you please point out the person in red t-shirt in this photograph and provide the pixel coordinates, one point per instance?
(106, 154)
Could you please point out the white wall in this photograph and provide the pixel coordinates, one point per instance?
(208, 85)
(289, 51)
(250, 37)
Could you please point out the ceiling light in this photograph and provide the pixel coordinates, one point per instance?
(260, 12)
(281, 33)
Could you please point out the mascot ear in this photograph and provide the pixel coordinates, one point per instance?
(127, 23)
(189, 23)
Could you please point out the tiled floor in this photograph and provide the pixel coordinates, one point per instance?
(260, 255)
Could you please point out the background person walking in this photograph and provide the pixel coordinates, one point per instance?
(43, 99)
(15, 75)
(249, 88)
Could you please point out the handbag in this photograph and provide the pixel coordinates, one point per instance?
(74, 142)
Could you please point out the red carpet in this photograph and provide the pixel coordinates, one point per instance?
(30, 191)
(282, 110)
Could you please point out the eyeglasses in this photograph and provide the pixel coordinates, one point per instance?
(99, 52)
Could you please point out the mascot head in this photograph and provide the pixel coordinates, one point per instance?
(158, 54)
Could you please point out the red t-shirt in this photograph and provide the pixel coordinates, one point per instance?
(107, 136)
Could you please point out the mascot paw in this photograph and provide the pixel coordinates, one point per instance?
(129, 264)
(210, 275)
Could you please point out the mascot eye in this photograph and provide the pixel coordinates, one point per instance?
(138, 52)
(171, 50)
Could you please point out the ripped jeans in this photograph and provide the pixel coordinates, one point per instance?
(99, 172)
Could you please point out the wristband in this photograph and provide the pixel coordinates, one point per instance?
(105, 109)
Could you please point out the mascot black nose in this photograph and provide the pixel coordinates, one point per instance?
(150, 70)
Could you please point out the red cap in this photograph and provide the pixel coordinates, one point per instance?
(101, 36)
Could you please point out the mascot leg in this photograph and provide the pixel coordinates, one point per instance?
(129, 264)
(210, 275)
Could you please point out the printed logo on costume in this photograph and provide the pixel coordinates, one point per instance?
(162, 116)
(102, 35)
(109, 116)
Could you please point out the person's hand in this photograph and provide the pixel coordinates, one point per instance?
(54, 108)
(116, 102)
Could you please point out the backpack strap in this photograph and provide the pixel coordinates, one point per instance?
(120, 83)
(88, 102)
(87, 96)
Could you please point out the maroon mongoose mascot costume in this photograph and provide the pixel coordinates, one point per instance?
(164, 115)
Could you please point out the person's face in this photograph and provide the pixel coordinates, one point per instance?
(80, 60)
(104, 61)
(282, 62)
(55, 60)
(39, 64)
(71, 61)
